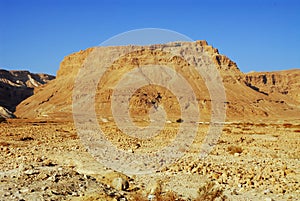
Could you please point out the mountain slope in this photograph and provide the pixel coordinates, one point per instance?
(249, 97)
(16, 86)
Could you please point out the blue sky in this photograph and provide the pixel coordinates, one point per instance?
(260, 35)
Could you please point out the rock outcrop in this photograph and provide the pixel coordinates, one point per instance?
(5, 113)
(16, 86)
(249, 97)
(281, 83)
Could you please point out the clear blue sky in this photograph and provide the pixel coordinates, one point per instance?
(260, 35)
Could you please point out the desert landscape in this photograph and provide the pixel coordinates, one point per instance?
(256, 157)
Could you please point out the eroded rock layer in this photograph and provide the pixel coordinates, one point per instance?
(249, 97)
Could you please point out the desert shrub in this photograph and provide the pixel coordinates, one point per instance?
(209, 192)
(297, 131)
(247, 124)
(138, 197)
(227, 130)
(168, 196)
(287, 125)
(234, 149)
(26, 138)
(4, 144)
(262, 125)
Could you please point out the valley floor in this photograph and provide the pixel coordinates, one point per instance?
(45, 160)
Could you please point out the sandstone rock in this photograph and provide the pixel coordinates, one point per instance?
(31, 172)
(154, 188)
(245, 93)
(120, 184)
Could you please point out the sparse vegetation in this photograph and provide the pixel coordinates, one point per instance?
(26, 138)
(209, 192)
(227, 130)
(287, 125)
(168, 196)
(4, 144)
(234, 149)
(265, 151)
(262, 124)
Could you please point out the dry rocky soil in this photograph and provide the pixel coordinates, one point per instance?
(45, 160)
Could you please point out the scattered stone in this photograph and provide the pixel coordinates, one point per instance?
(236, 154)
(154, 188)
(120, 184)
(31, 172)
(104, 120)
(151, 197)
(179, 120)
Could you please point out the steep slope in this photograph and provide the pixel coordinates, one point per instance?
(248, 97)
(277, 83)
(54, 100)
(16, 86)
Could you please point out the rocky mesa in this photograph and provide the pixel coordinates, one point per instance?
(259, 96)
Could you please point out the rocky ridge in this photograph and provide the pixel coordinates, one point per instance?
(15, 86)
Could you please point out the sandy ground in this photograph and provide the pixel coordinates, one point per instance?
(42, 160)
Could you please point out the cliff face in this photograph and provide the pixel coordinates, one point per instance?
(283, 83)
(249, 97)
(16, 86)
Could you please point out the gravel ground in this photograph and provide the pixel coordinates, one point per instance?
(47, 161)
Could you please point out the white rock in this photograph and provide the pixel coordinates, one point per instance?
(30, 172)
(151, 197)
(120, 183)
(104, 120)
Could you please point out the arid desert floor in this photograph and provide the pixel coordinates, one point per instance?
(45, 160)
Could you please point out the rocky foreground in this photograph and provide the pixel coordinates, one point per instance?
(47, 161)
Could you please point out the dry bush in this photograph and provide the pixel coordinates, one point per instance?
(234, 149)
(227, 130)
(287, 125)
(247, 124)
(168, 196)
(26, 138)
(4, 144)
(297, 131)
(209, 192)
(138, 197)
(262, 125)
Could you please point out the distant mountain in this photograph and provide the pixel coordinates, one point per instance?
(261, 96)
(16, 86)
